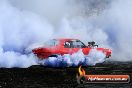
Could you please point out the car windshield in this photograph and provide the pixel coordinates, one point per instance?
(74, 44)
(51, 43)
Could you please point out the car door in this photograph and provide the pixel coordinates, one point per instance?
(73, 46)
(78, 45)
(67, 48)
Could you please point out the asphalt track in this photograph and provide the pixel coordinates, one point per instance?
(46, 77)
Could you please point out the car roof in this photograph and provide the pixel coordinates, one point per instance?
(66, 39)
(62, 40)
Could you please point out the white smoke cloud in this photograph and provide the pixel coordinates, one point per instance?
(67, 17)
(26, 22)
(11, 59)
(75, 59)
(19, 29)
(54, 11)
(117, 23)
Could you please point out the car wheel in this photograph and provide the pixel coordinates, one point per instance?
(54, 55)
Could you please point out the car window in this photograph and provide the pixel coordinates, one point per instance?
(78, 44)
(67, 44)
(74, 44)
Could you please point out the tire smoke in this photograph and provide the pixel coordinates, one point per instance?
(75, 59)
(25, 22)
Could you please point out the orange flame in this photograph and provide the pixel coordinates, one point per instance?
(81, 71)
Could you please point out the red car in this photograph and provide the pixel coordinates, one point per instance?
(56, 47)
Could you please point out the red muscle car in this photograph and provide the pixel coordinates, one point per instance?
(56, 47)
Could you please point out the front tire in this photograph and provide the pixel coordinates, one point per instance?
(54, 55)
